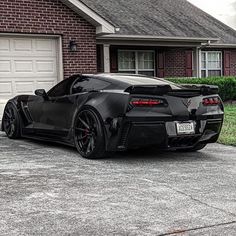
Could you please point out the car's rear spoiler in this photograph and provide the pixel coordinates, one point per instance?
(184, 89)
(204, 88)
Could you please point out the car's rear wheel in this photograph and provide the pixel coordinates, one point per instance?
(89, 135)
(11, 122)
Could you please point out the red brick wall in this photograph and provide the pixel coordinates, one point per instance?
(53, 17)
(175, 63)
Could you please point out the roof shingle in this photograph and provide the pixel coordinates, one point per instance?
(165, 18)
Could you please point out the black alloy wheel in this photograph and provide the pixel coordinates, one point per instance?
(11, 122)
(88, 135)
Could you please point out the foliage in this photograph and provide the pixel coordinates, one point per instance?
(228, 134)
(227, 85)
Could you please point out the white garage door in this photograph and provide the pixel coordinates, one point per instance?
(26, 64)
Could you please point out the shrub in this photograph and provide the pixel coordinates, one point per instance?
(227, 85)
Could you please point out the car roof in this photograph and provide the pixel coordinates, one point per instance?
(126, 80)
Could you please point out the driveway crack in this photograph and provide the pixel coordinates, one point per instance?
(199, 201)
(197, 228)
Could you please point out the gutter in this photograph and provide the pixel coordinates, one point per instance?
(215, 45)
(156, 38)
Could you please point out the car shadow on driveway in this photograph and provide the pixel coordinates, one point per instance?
(148, 154)
(162, 156)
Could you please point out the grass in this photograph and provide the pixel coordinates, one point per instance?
(228, 134)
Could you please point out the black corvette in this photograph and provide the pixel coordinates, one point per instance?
(104, 113)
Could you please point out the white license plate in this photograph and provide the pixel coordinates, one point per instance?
(185, 128)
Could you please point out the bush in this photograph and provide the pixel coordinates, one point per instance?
(227, 85)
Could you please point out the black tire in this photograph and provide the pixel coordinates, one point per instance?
(89, 134)
(11, 122)
(196, 148)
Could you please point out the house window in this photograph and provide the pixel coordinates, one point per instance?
(211, 64)
(136, 62)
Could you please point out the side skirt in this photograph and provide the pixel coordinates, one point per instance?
(66, 142)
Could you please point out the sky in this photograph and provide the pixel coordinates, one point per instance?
(224, 10)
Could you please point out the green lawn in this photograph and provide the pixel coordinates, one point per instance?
(228, 134)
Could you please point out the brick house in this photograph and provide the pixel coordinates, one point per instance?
(44, 41)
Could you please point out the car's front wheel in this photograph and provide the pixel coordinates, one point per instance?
(88, 134)
(11, 122)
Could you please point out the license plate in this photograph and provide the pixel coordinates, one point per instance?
(185, 128)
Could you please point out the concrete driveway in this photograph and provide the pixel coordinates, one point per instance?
(50, 190)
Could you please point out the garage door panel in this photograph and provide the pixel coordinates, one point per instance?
(44, 45)
(26, 64)
(22, 45)
(5, 89)
(23, 66)
(39, 47)
(24, 87)
(29, 67)
(47, 85)
(45, 66)
(30, 54)
(4, 45)
(5, 66)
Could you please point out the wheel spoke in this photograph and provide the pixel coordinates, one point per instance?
(80, 129)
(12, 122)
(7, 114)
(8, 124)
(12, 128)
(11, 113)
(82, 138)
(92, 143)
(88, 147)
(8, 127)
(83, 143)
(84, 123)
(87, 119)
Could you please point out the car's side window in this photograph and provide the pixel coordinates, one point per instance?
(89, 84)
(61, 89)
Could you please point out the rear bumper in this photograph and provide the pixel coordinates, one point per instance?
(164, 135)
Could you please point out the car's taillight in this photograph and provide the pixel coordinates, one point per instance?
(211, 101)
(146, 102)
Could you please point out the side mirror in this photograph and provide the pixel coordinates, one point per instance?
(41, 93)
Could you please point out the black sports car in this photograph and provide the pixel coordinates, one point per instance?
(103, 113)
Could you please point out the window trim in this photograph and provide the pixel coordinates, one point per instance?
(90, 79)
(207, 68)
(136, 69)
(55, 87)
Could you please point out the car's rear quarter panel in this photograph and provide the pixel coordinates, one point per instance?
(143, 126)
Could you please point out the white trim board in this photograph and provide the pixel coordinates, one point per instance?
(102, 26)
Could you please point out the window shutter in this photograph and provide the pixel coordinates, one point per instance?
(113, 59)
(227, 62)
(161, 64)
(189, 63)
(100, 63)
